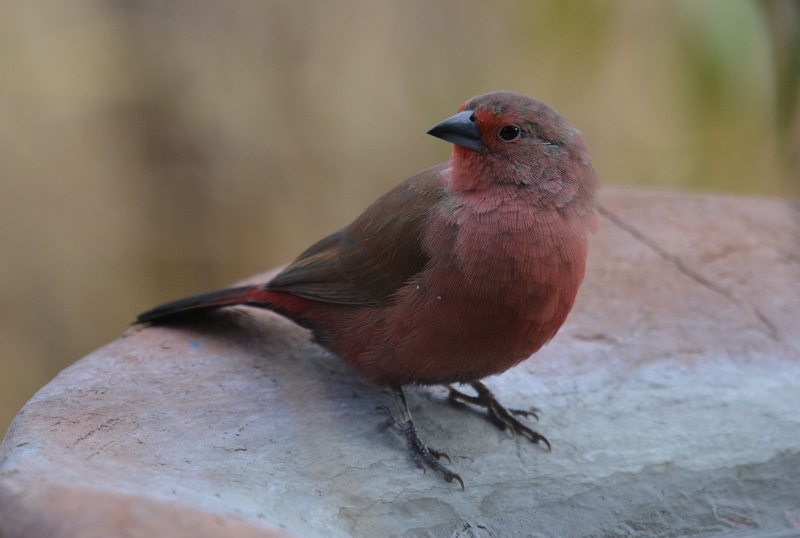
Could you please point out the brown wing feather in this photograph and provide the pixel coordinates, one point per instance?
(366, 262)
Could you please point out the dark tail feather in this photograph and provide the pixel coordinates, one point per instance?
(204, 301)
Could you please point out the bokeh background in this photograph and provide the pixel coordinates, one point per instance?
(152, 149)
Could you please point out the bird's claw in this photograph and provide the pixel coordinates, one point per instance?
(523, 413)
(500, 416)
(423, 456)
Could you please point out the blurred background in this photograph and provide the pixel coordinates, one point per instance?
(151, 150)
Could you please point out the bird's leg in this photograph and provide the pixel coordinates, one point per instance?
(501, 417)
(420, 453)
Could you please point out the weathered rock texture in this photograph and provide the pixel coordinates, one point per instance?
(671, 397)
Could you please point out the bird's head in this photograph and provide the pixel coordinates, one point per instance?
(506, 138)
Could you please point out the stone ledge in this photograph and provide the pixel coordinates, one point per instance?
(671, 397)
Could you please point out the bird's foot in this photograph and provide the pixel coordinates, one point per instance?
(420, 453)
(500, 416)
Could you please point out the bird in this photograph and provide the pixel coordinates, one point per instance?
(457, 273)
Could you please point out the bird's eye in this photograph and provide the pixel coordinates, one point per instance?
(509, 133)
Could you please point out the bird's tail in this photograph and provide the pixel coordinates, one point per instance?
(244, 295)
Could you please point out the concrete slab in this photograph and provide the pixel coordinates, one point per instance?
(671, 398)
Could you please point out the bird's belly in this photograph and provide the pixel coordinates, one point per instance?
(460, 332)
(463, 319)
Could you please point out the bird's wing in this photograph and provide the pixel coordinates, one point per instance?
(366, 262)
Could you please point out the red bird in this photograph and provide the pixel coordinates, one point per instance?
(457, 273)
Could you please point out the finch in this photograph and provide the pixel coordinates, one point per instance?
(458, 273)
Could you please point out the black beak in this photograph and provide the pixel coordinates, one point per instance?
(459, 130)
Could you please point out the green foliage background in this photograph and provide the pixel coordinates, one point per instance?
(150, 149)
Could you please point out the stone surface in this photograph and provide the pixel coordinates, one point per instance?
(671, 397)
